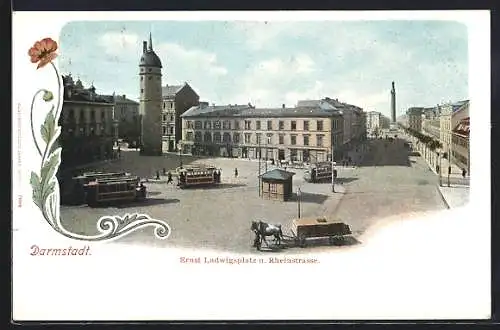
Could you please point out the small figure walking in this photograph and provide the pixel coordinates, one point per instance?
(169, 178)
(119, 151)
(235, 172)
(464, 173)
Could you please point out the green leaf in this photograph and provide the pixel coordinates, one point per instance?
(54, 146)
(48, 128)
(49, 169)
(35, 184)
(47, 190)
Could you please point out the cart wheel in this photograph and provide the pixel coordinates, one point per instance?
(302, 241)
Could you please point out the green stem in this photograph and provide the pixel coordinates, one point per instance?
(31, 120)
(58, 90)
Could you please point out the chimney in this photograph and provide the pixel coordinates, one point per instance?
(144, 46)
(283, 105)
(124, 96)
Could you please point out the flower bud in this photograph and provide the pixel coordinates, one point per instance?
(48, 96)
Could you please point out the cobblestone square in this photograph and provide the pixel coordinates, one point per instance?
(387, 182)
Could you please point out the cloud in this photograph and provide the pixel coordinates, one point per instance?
(274, 81)
(194, 63)
(119, 43)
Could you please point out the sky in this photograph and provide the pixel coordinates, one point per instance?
(273, 63)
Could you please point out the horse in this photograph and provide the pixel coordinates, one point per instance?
(263, 229)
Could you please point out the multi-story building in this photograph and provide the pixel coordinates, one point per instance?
(446, 123)
(354, 127)
(177, 99)
(87, 125)
(415, 118)
(431, 122)
(127, 116)
(376, 121)
(460, 147)
(294, 134)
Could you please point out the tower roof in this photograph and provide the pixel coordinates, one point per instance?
(149, 57)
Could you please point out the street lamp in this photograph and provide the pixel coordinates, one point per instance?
(179, 146)
(299, 193)
(333, 176)
(439, 162)
(267, 143)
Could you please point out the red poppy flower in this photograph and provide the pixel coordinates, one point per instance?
(43, 52)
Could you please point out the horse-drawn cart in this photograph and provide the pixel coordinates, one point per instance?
(307, 228)
(302, 229)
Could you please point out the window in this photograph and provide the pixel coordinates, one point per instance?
(259, 140)
(171, 130)
(197, 136)
(236, 124)
(319, 140)
(208, 124)
(217, 124)
(306, 125)
(190, 124)
(247, 137)
(226, 138)
(189, 136)
(236, 137)
(247, 124)
(293, 139)
(164, 117)
(269, 125)
(207, 137)
(217, 137)
(164, 130)
(281, 125)
(273, 188)
(149, 78)
(142, 90)
(257, 124)
(293, 125)
(149, 70)
(197, 124)
(306, 140)
(269, 138)
(142, 78)
(164, 105)
(226, 124)
(281, 139)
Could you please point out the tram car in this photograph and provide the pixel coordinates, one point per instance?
(99, 187)
(318, 172)
(197, 176)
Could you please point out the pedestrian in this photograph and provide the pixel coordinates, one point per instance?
(235, 172)
(437, 168)
(157, 175)
(169, 178)
(464, 173)
(119, 152)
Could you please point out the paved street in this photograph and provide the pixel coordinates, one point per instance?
(387, 183)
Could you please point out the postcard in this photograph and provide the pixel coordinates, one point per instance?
(251, 165)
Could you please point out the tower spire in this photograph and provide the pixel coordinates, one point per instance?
(150, 42)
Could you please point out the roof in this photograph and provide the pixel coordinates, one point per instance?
(459, 105)
(149, 58)
(171, 90)
(123, 99)
(316, 221)
(246, 111)
(277, 174)
(463, 127)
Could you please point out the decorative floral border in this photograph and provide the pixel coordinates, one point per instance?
(45, 184)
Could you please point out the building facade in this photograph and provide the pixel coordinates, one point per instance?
(150, 103)
(415, 118)
(301, 134)
(460, 137)
(87, 125)
(375, 121)
(431, 122)
(447, 121)
(128, 118)
(177, 99)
